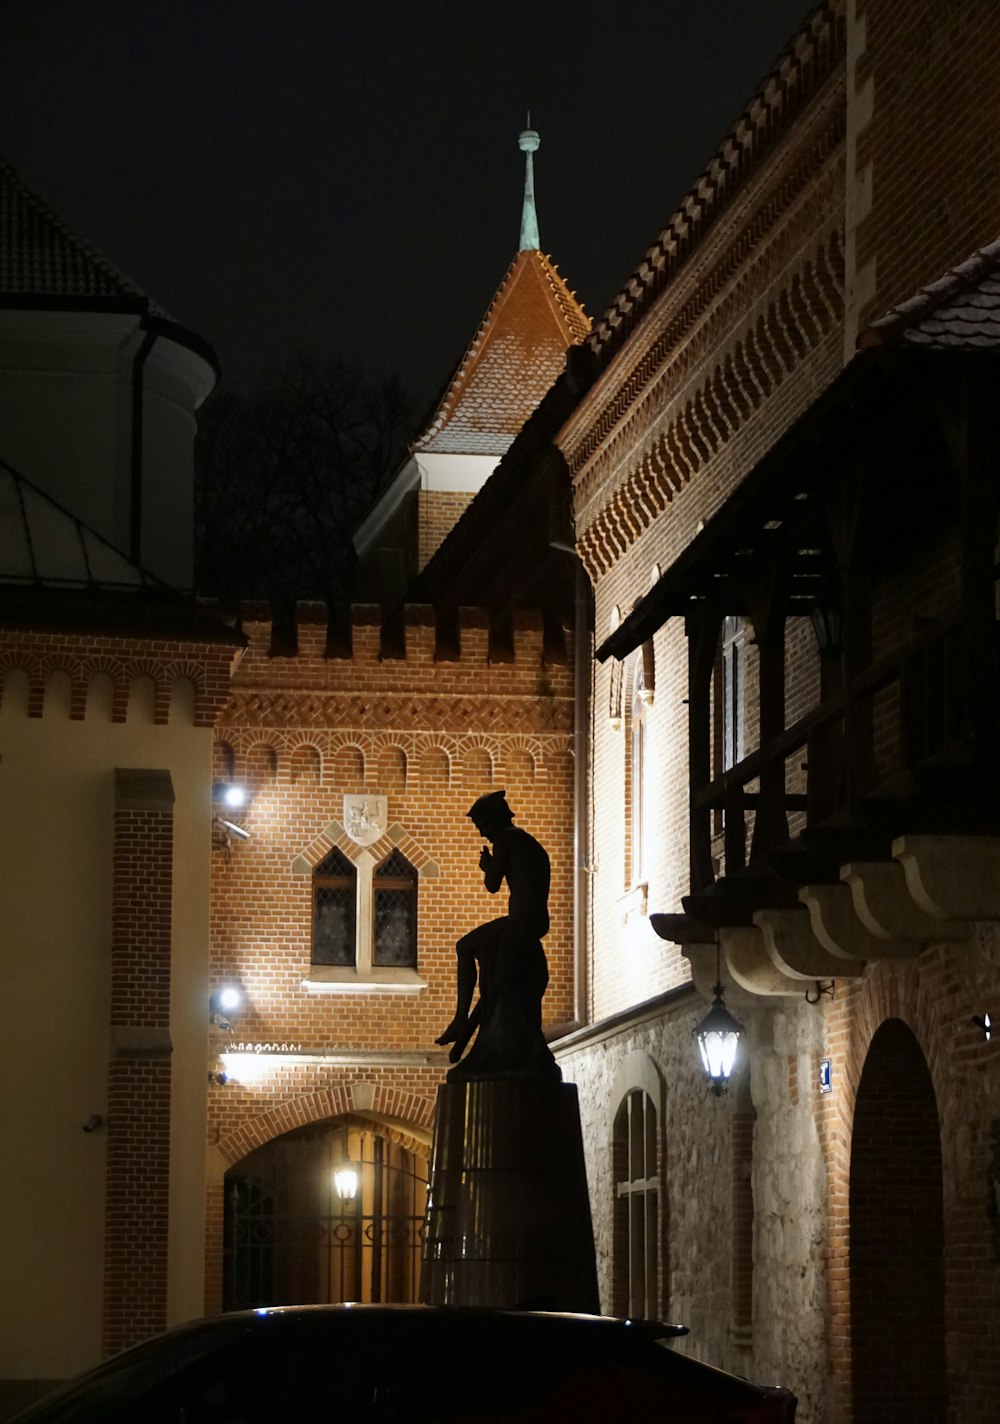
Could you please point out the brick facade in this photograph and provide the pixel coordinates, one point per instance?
(431, 728)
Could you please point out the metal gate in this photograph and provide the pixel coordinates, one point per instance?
(290, 1239)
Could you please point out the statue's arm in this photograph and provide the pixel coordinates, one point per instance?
(494, 868)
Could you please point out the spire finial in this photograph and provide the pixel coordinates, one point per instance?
(528, 142)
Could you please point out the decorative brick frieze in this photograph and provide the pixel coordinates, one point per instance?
(815, 54)
(83, 658)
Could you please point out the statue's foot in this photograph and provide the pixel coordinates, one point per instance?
(456, 1032)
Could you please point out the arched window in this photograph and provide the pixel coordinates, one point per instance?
(395, 913)
(335, 901)
(636, 1208)
(638, 763)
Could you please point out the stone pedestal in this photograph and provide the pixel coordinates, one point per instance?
(508, 1215)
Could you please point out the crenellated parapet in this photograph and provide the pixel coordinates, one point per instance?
(414, 646)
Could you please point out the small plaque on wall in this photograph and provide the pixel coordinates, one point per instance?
(826, 1075)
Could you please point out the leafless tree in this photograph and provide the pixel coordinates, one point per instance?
(284, 474)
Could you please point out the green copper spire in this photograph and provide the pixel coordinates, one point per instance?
(527, 143)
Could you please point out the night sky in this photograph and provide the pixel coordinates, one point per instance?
(345, 178)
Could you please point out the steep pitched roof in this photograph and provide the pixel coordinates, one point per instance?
(961, 310)
(42, 256)
(518, 351)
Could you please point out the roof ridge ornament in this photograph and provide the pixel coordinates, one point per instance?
(528, 142)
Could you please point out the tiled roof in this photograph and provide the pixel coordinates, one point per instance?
(960, 311)
(43, 544)
(518, 351)
(41, 255)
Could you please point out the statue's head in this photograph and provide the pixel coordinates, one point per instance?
(491, 813)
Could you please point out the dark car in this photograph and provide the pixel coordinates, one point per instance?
(361, 1364)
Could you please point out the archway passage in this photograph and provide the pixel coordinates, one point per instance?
(897, 1238)
(289, 1237)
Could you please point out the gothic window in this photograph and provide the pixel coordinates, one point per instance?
(395, 913)
(335, 898)
(636, 1208)
(733, 692)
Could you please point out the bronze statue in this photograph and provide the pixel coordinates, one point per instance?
(512, 970)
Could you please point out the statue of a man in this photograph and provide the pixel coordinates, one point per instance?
(512, 970)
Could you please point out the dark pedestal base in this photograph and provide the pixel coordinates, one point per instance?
(508, 1215)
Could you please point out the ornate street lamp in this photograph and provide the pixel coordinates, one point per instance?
(718, 1036)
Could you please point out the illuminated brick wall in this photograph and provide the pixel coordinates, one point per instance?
(431, 730)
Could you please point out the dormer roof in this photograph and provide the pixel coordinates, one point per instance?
(959, 311)
(517, 353)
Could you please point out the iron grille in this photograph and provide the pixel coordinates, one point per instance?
(395, 927)
(334, 911)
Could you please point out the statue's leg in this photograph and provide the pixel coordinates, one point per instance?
(467, 950)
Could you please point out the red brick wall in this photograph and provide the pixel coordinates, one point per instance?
(138, 1160)
(431, 735)
(933, 141)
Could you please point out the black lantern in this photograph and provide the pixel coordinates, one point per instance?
(718, 1036)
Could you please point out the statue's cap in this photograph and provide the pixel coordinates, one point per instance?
(490, 808)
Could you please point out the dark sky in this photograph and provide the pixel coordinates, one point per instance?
(287, 175)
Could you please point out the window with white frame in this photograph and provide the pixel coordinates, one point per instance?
(334, 923)
(364, 924)
(638, 763)
(635, 1265)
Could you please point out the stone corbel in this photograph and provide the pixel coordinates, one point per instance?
(952, 877)
(839, 930)
(886, 908)
(750, 966)
(795, 951)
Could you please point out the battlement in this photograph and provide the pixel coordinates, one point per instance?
(417, 635)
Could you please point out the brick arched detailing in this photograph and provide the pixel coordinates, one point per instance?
(434, 767)
(797, 320)
(897, 1238)
(390, 768)
(347, 767)
(317, 1106)
(305, 763)
(183, 702)
(75, 705)
(262, 762)
(476, 764)
(21, 688)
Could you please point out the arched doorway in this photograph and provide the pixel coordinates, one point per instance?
(897, 1238)
(290, 1239)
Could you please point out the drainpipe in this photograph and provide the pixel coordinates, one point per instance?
(581, 762)
(135, 468)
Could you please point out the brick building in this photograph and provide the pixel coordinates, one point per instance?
(762, 491)
(784, 485)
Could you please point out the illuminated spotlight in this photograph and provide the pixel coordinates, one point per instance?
(223, 1004)
(345, 1180)
(230, 793)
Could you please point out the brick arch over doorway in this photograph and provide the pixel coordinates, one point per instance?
(896, 1237)
(341, 1100)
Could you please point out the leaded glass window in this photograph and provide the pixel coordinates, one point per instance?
(335, 899)
(395, 927)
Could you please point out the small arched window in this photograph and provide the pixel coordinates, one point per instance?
(335, 901)
(635, 1266)
(395, 913)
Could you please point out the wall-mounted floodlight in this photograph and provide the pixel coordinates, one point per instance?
(230, 794)
(223, 1005)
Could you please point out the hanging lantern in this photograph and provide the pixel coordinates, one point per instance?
(345, 1180)
(718, 1036)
